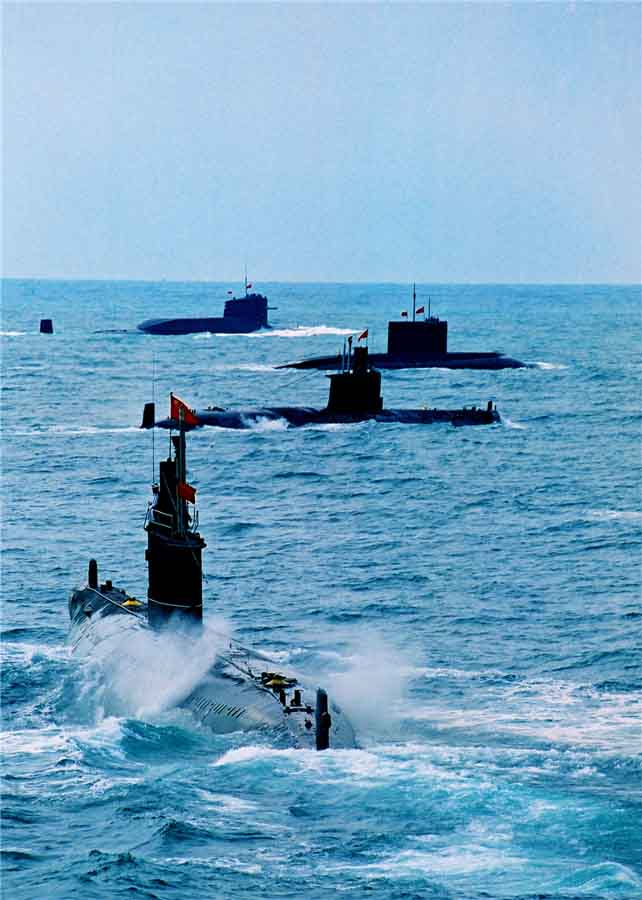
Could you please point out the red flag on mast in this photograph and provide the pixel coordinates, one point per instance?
(420, 310)
(175, 407)
(363, 335)
(186, 491)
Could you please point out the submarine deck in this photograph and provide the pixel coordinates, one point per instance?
(458, 360)
(300, 416)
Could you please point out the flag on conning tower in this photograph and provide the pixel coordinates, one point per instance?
(186, 491)
(363, 335)
(175, 407)
(404, 314)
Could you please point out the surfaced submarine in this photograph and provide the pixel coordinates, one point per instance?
(420, 343)
(242, 690)
(355, 396)
(241, 315)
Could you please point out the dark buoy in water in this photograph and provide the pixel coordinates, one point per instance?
(46, 326)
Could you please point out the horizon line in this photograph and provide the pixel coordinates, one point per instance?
(125, 280)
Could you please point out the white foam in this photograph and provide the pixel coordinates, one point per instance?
(266, 424)
(227, 802)
(302, 331)
(139, 672)
(81, 431)
(60, 740)
(242, 367)
(12, 333)
(509, 423)
(452, 861)
(212, 862)
(554, 711)
(615, 514)
(252, 753)
(549, 366)
(30, 653)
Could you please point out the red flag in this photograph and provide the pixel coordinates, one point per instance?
(186, 491)
(404, 314)
(248, 286)
(363, 335)
(175, 407)
(420, 310)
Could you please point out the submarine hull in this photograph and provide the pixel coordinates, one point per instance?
(415, 361)
(297, 417)
(241, 691)
(218, 325)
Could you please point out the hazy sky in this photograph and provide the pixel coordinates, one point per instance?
(336, 142)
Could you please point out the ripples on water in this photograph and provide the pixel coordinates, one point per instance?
(470, 595)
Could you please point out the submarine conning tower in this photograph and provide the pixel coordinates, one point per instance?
(425, 337)
(356, 391)
(252, 306)
(175, 580)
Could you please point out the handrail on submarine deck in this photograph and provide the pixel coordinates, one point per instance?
(155, 516)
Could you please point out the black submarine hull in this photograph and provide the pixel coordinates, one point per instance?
(242, 690)
(297, 417)
(218, 325)
(415, 361)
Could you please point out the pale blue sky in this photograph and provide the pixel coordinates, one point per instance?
(339, 142)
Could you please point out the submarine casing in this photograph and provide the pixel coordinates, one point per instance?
(459, 360)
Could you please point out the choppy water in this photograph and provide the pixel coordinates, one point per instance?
(472, 595)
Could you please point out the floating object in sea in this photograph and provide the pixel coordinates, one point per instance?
(417, 344)
(46, 326)
(241, 315)
(242, 689)
(355, 396)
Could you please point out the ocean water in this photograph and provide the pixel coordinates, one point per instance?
(471, 595)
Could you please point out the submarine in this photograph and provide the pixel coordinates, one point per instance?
(243, 690)
(355, 396)
(420, 343)
(241, 315)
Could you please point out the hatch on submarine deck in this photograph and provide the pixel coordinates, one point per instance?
(243, 689)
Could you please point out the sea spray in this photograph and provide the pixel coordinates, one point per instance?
(372, 684)
(135, 671)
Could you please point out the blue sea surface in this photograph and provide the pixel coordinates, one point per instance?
(471, 596)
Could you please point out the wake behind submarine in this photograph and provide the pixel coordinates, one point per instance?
(355, 396)
(243, 690)
(417, 344)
